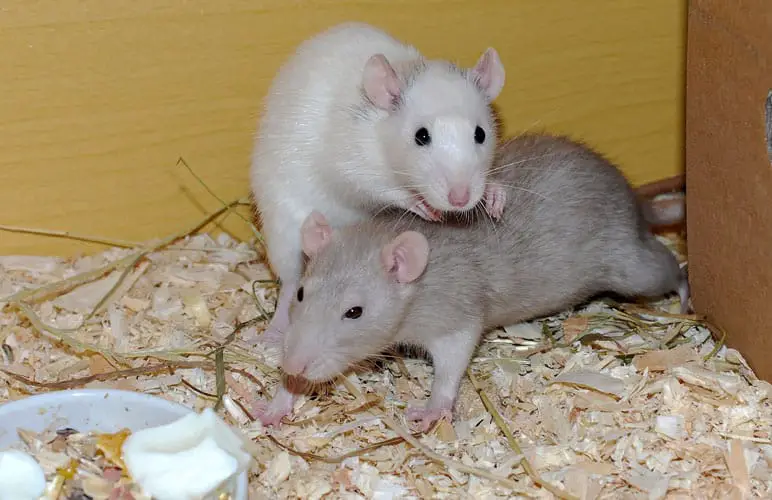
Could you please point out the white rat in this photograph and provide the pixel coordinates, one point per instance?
(573, 228)
(357, 121)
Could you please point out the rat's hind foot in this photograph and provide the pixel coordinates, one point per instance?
(426, 211)
(428, 416)
(495, 199)
(683, 295)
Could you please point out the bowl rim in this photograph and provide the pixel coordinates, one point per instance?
(64, 397)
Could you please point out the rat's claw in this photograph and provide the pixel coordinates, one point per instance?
(495, 198)
(425, 211)
(428, 416)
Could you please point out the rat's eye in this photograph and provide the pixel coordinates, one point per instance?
(479, 135)
(353, 313)
(422, 137)
(300, 294)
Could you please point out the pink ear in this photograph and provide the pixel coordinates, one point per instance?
(406, 256)
(315, 233)
(380, 82)
(489, 73)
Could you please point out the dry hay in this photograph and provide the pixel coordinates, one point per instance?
(609, 401)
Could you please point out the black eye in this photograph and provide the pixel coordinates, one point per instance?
(300, 294)
(479, 135)
(353, 313)
(422, 137)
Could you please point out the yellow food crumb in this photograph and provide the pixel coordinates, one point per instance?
(68, 472)
(111, 446)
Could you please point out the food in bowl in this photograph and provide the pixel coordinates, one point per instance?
(186, 455)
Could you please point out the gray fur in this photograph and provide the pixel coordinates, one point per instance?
(572, 228)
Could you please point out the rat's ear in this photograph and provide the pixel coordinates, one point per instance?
(488, 73)
(315, 233)
(380, 82)
(406, 256)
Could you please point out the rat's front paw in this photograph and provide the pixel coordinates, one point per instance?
(428, 416)
(426, 211)
(271, 338)
(270, 414)
(495, 198)
(280, 322)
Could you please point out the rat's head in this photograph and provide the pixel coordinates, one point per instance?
(439, 131)
(351, 298)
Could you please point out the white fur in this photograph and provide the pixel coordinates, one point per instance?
(313, 152)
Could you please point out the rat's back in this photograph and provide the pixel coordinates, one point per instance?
(574, 228)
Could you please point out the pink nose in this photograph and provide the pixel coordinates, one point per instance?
(294, 365)
(459, 196)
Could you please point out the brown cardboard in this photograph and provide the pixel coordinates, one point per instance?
(729, 172)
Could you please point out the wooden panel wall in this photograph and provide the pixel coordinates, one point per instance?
(99, 99)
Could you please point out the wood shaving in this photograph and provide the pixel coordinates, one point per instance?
(607, 401)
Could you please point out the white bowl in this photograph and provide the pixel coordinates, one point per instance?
(101, 410)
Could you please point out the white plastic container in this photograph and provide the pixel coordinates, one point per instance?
(86, 410)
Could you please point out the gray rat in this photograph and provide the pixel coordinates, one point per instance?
(573, 228)
(355, 121)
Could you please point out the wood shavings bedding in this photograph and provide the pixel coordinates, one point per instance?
(608, 401)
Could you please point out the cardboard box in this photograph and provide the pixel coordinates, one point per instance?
(729, 171)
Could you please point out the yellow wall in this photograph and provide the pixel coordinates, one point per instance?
(99, 99)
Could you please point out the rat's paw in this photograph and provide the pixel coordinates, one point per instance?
(270, 414)
(425, 211)
(428, 416)
(280, 321)
(272, 337)
(495, 198)
(270, 418)
(683, 296)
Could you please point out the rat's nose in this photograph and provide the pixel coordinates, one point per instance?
(459, 196)
(294, 365)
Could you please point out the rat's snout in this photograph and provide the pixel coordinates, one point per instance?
(455, 192)
(458, 196)
(293, 364)
(460, 185)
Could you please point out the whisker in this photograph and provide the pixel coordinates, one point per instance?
(501, 166)
(525, 190)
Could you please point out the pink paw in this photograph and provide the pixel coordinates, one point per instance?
(272, 337)
(683, 295)
(425, 211)
(271, 413)
(495, 198)
(428, 416)
(280, 322)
